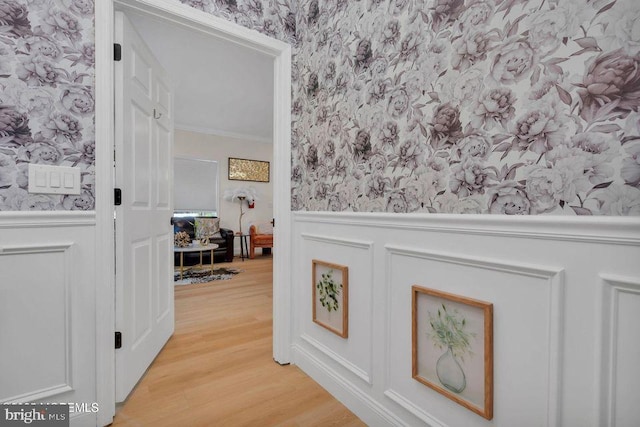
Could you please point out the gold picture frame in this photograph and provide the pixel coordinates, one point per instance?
(446, 329)
(248, 170)
(331, 296)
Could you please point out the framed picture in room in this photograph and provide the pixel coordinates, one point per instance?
(248, 170)
(452, 347)
(330, 284)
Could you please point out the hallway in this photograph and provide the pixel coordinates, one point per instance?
(217, 368)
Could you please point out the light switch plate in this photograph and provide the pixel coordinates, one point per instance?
(49, 179)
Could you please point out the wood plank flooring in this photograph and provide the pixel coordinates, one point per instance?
(218, 370)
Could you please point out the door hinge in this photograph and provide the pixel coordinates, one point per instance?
(118, 341)
(273, 222)
(117, 51)
(117, 196)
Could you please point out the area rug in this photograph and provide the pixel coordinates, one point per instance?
(191, 277)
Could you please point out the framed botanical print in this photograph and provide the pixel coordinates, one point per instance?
(330, 283)
(452, 347)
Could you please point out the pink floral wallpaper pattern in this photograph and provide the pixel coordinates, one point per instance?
(46, 98)
(476, 106)
(448, 106)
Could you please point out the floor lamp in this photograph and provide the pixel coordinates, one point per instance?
(241, 194)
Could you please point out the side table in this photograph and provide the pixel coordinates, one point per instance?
(244, 246)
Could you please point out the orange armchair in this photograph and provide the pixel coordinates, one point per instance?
(260, 236)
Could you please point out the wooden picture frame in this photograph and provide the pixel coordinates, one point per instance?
(330, 305)
(463, 371)
(248, 170)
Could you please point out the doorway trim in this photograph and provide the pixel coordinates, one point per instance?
(104, 112)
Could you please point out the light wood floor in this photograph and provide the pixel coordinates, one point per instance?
(218, 370)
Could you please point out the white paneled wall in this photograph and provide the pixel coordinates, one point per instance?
(566, 301)
(47, 309)
(620, 351)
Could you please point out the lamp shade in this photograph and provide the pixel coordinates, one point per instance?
(241, 193)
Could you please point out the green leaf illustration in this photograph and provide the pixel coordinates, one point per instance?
(329, 290)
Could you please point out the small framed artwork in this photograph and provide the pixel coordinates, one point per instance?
(248, 170)
(330, 283)
(452, 347)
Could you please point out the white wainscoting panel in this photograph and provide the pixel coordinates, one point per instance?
(47, 309)
(565, 349)
(355, 352)
(365, 376)
(370, 410)
(527, 323)
(40, 312)
(620, 378)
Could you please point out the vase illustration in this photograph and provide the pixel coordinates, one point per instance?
(450, 372)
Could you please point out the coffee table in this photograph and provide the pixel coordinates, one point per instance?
(195, 247)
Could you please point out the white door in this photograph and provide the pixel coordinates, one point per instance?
(144, 235)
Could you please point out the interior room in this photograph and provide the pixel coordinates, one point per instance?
(455, 195)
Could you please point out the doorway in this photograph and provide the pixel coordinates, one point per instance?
(215, 27)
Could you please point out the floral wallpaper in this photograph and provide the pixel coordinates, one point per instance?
(274, 18)
(451, 106)
(476, 106)
(46, 98)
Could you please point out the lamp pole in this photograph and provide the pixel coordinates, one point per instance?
(241, 198)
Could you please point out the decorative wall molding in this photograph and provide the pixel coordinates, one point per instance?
(360, 373)
(613, 230)
(67, 385)
(47, 219)
(478, 262)
(360, 244)
(350, 395)
(555, 279)
(357, 244)
(34, 249)
(409, 406)
(613, 287)
(44, 393)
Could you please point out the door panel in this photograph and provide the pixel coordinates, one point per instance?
(164, 160)
(144, 236)
(165, 298)
(141, 150)
(141, 304)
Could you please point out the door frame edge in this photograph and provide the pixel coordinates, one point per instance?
(105, 133)
(105, 261)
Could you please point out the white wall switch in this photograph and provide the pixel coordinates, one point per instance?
(41, 179)
(49, 179)
(68, 180)
(54, 179)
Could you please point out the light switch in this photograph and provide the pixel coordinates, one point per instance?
(68, 180)
(41, 179)
(50, 179)
(54, 179)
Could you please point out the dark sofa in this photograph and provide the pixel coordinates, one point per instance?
(224, 253)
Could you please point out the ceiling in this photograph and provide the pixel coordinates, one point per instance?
(220, 88)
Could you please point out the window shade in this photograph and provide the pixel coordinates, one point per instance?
(195, 185)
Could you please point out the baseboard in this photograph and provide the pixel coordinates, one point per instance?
(87, 419)
(360, 403)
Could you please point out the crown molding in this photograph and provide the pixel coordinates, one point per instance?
(226, 134)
